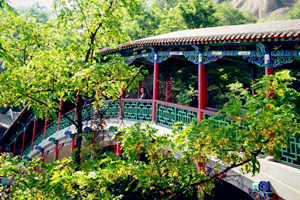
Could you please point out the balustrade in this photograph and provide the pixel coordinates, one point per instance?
(167, 115)
(138, 110)
(291, 154)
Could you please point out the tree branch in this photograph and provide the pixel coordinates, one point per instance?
(216, 175)
(84, 17)
(40, 102)
(131, 81)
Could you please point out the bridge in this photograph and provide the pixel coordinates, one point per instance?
(58, 140)
(259, 48)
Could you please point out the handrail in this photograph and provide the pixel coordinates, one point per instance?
(137, 100)
(141, 100)
(167, 121)
(177, 105)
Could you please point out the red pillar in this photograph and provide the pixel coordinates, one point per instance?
(155, 87)
(59, 114)
(73, 143)
(269, 70)
(168, 88)
(139, 89)
(56, 151)
(14, 150)
(42, 155)
(33, 133)
(23, 143)
(202, 88)
(119, 150)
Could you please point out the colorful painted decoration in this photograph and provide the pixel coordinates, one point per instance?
(261, 191)
(53, 140)
(39, 148)
(68, 133)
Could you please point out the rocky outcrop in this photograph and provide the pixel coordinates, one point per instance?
(263, 8)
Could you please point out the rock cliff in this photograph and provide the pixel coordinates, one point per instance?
(263, 8)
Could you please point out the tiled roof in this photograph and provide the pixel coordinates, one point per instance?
(278, 29)
(5, 120)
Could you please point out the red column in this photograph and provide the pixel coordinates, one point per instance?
(33, 133)
(59, 114)
(139, 89)
(269, 71)
(14, 150)
(202, 88)
(155, 87)
(168, 88)
(117, 149)
(56, 151)
(42, 155)
(23, 143)
(73, 143)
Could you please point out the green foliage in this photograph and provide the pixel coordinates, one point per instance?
(173, 165)
(161, 16)
(229, 15)
(197, 13)
(184, 96)
(4, 5)
(295, 12)
(46, 62)
(37, 11)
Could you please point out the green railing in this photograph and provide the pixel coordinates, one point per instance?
(137, 110)
(87, 114)
(167, 114)
(27, 150)
(112, 109)
(291, 154)
(64, 122)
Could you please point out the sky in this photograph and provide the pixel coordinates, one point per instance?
(19, 3)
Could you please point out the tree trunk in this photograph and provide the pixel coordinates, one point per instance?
(79, 130)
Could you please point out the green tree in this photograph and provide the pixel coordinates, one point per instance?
(229, 15)
(4, 5)
(58, 60)
(37, 11)
(197, 14)
(171, 166)
(143, 24)
(295, 12)
(187, 14)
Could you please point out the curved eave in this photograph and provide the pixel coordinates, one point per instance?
(223, 34)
